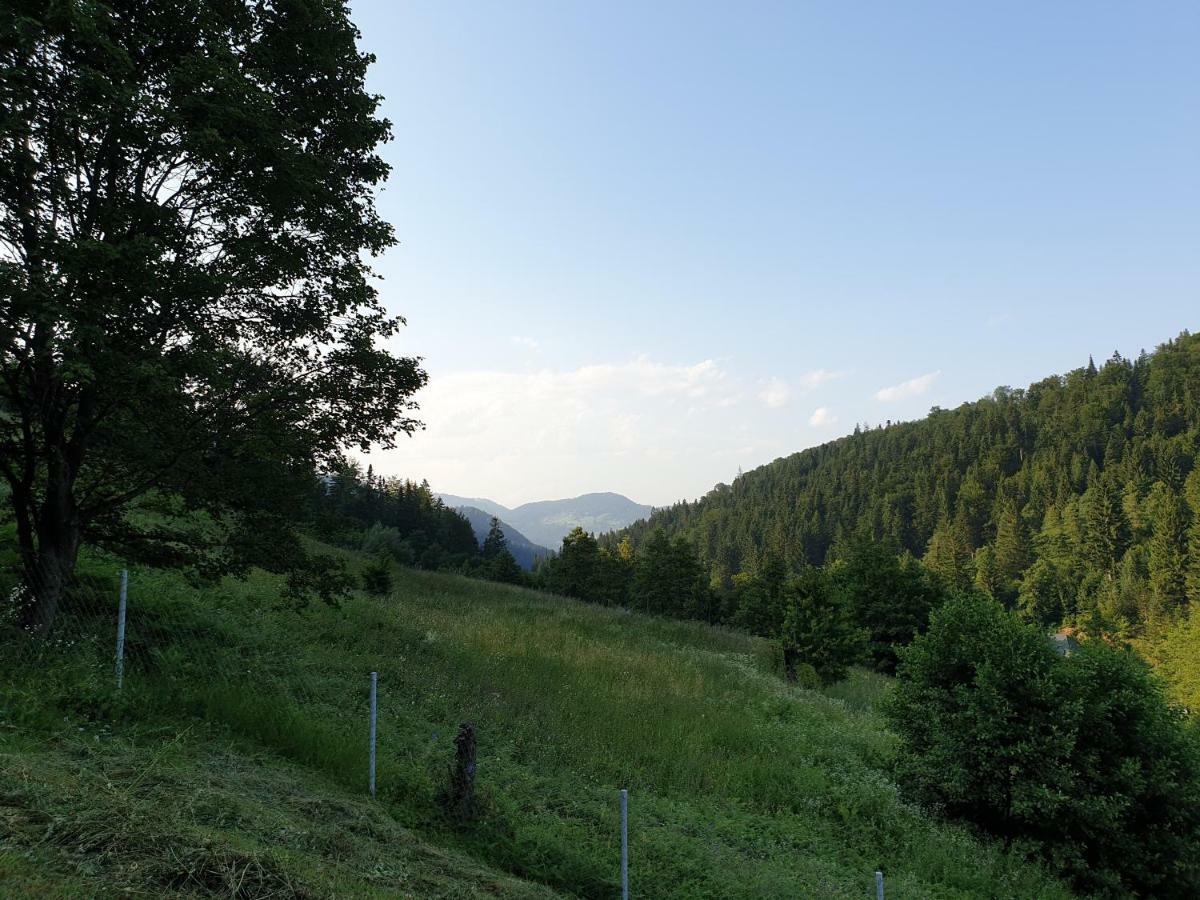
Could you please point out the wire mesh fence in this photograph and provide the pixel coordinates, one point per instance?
(146, 642)
(147, 646)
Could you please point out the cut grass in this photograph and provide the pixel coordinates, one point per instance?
(741, 785)
(93, 815)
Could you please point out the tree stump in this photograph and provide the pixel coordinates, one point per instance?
(460, 794)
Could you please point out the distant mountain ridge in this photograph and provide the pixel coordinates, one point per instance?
(524, 551)
(547, 522)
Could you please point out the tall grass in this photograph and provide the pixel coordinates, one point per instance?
(741, 785)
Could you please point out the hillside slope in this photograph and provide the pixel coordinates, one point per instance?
(1081, 472)
(524, 551)
(547, 522)
(233, 762)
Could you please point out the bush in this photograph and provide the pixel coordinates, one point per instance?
(1079, 761)
(1135, 811)
(377, 576)
(816, 629)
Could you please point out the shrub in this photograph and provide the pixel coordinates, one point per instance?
(816, 629)
(1134, 816)
(1079, 761)
(377, 576)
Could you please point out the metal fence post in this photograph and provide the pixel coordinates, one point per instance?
(121, 628)
(624, 844)
(374, 716)
(878, 886)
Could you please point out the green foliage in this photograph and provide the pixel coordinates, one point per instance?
(1132, 820)
(503, 567)
(498, 563)
(975, 705)
(573, 572)
(758, 598)
(585, 571)
(890, 597)
(495, 543)
(1047, 592)
(377, 576)
(817, 630)
(242, 751)
(668, 580)
(1176, 651)
(1012, 495)
(949, 556)
(1169, 553)
(188, 312)
(1079, 761)
(394, 517)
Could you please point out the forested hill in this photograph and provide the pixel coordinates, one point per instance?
(1078, 493)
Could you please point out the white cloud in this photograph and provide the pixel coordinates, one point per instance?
(821, 416)
(653, 430)
(810, 381)
(527, 342)
(914, 387)
(776, 393)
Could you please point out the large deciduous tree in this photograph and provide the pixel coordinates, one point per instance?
(186, 307)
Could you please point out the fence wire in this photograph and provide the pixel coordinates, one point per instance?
(228, 656)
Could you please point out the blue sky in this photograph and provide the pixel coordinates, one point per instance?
(643, 245)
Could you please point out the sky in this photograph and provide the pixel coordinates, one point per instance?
(643, 245)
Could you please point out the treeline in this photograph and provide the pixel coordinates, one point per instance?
(1079, 760)
(868, 600)
(394, 520)
(1075, 500)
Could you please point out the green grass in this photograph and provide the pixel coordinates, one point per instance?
(234, 762)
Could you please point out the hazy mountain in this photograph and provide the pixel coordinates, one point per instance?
(547, 522)
(488, 506)
(524, 551)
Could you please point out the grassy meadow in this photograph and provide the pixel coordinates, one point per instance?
(233, 762)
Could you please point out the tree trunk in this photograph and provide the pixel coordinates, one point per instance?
(50, 566)
(790, 660)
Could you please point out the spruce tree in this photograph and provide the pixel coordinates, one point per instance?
(1012, 542)
(988, 578)
(495, 543)
(949, 555)
(1106, 532)
(1168, 553)
(1193, 563)
(503, 567)
(817, 629)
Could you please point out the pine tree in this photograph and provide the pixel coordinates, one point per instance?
(817, 630)
(987, 573)
(495, 543)
(1193, 564)
(503, 567)
(1106, 533)
(1168, 553)
(949, 555)
(1012, 542)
